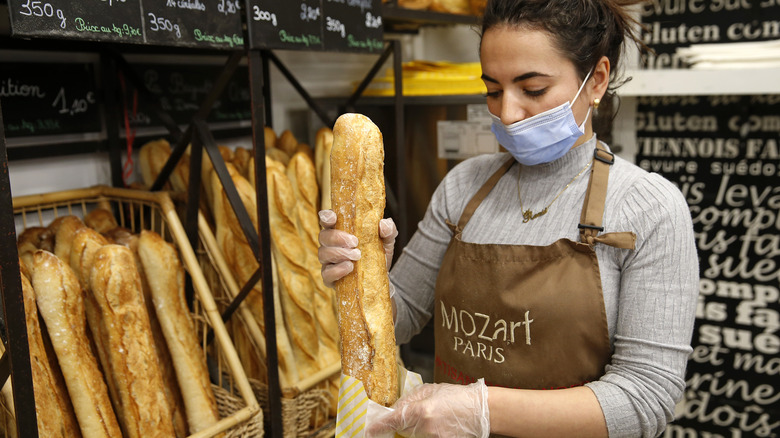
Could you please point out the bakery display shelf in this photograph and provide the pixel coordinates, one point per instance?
(443, 99)
(141, 210)
(305, 402)
(693, 82)
(398, 18)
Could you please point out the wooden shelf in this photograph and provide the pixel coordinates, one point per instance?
(396, 19)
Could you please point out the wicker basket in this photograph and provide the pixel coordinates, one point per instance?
(304, 403)
(239, 410)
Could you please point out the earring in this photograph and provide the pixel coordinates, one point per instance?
(596, 103)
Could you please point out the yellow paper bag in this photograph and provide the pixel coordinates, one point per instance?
(356, 411)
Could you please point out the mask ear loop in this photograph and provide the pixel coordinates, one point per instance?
(587, 76)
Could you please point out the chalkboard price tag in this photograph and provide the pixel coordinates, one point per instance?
(95, 20)
(49, 99)
(186, 23)
(292, 25)
(194, 23)
(182, 88)
(353, 25)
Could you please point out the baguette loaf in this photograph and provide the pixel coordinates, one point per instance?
(166, 282)
(125, 237)
(365, 312)
(101, 220)
(242, 263)
(63, 238)
(324, 144)
(28, 242)
(287, 142)
(303, 181)
(60, 303)
(296, 287)
(152, 158)
(132, 367)
(53, 407)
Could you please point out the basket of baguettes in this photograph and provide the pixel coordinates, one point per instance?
(116, 348)
(305, 309)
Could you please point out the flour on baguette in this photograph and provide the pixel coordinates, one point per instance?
(60, 303)
(365, 312)
(132, 367)
(166, 282)
(53, 407)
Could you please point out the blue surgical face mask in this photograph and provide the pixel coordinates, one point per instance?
(544, 137)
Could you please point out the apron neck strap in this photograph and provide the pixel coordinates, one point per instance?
(593, 206)
(482, 193)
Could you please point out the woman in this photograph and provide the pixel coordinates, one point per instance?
(562, 280)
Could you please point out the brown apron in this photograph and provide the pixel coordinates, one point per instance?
(524, 316)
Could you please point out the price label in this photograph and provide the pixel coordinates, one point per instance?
(294, 25)
(43, 99)
(353, 25)
(96, 20)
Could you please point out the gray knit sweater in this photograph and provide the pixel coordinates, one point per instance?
(649, 292)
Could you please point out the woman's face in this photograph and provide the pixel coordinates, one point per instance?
(526, 75)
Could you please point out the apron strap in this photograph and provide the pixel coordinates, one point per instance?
(482, 193)
(593, 206)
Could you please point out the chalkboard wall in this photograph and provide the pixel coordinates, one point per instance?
(723, 152)
(49, 99)
(333, 25)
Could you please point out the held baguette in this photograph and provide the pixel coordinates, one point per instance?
(60, 303)
(53, 407)
(132, 368)
(166, 282)
(365, 312)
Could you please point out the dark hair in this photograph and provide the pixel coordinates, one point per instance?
(583, 30)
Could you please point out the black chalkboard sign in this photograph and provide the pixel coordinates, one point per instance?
(194, 23)
(49, 99)
(353, 25)
(329, 25)
(293, 25)
(186, 23)
(181, 89)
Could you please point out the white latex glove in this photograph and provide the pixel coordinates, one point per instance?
(338, 249)
(438, 410)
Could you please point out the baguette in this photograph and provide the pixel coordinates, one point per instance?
(270, 137)
(295, 284)
(125, 237)
(53, 407)
(63, 237)
(132, 368)
(365, 312)
(165, 275)
(323, 146)
(101, 220)
(287, 142)
(60, 303)
(303, 181)
(242, 262)
(152, 158)
(27, 243)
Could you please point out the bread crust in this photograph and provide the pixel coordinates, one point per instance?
(60, 303)
(53, 407)
(365, 312)
(132, 368)
(165, 276)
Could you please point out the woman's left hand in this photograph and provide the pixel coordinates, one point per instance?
(438, 410)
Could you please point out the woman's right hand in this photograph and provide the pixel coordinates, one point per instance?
(338, 249)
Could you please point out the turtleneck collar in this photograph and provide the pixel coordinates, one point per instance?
(567, 165)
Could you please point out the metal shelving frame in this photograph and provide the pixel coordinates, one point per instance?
(16, 361)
